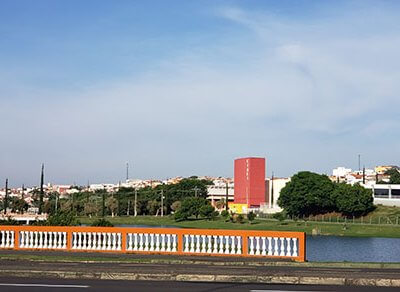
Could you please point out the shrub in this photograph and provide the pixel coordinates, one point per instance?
(251, 216)
(102, 222)
(225, 214)
(240, 218)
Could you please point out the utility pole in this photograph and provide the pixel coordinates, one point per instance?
(127, 171)
(56, 207)
(6, 198)
(41, 190)
(162, 203)
(364, 174)
(129, 205)
(135, 206)
(22, 193)
(226, 196)
(359, 162)
(272, 190)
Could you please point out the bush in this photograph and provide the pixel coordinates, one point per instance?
(102, 222)
(281, 216)
(9, 222)
(240, 218)
(225, 214)
(251, 216)
(207, 211)
(60, 219)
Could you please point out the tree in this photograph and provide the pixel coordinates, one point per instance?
(307, 193)
(251, 216)
(112, 205)
(353, 200)
(190, 207)
(207, 211)
(176, 205)
(394, 176)
(220, 204)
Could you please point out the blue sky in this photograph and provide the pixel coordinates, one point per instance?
(184, 87)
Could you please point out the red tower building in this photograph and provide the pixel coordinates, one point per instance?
(250, 181)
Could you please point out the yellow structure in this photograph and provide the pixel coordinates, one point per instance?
(238, 208)
(383, 168)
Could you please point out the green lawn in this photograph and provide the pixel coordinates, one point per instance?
(324, 228)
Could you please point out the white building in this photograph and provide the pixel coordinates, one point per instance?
(341, 171)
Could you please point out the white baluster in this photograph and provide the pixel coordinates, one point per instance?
(146, 242)
(119, 241)
(40, 239)
(282, 247)
(295, 247)
(197, 243)
(169, 242)
(64, 244)
(157, 242)
(251, 239)
(51, 239)
(114, 241)
(209, 244)
(227, 244)
(84, 240)
(269, 246)
(135, 242)
(215, 250)
(36, 236)
(3, 241)
(186, 242)
(173, 242)
(22, 238)
(96, 240)
(221, 244)
(12, 239)
(107, 241)
(130, 241)
(31, 242)
(233, 245)
(91, 236)
(45, 239)
(276, 250)
(104, 241)
(59, 242)
(288, 249)
(162, 242)
(7, 239)
(203, 244)
(55, 239)
(191, 243)
(79, 240)
(151, 242)
(264, 246)
(141, 241)
(257, 238)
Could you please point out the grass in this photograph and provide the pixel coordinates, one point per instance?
(324, 228)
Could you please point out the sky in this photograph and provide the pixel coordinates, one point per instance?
(181, 88)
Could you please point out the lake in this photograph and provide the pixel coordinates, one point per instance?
(352, 249)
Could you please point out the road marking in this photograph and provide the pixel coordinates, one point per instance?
(43, 285)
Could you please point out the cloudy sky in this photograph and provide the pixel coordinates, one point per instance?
(184, 87)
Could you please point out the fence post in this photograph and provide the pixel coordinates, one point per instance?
(302, 248)
(123, 241)
(16, 238)
(69, 239)
(245, 245)
(179, 247)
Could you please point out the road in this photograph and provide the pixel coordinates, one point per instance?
(46, 285)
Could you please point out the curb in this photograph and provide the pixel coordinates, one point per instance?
(340, 281)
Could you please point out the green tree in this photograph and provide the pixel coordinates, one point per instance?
(394, 176)
(251, 216)
(207, 211)
(190, 207)
(353, 200)
(307, 193)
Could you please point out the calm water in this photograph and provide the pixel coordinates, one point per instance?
(341, 248)
(352, 249)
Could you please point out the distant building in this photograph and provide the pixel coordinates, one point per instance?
(341, 171)
(249, 179)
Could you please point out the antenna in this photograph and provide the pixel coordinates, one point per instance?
(127, 171)
(359, 162)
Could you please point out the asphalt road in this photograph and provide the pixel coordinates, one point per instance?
(46, 285)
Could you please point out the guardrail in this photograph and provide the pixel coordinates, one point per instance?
(247, 243)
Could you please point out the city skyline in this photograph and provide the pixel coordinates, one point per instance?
(186, 88)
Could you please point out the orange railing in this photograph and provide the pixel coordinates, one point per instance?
(274, 244)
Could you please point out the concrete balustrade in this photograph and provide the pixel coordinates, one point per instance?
(290, 245)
